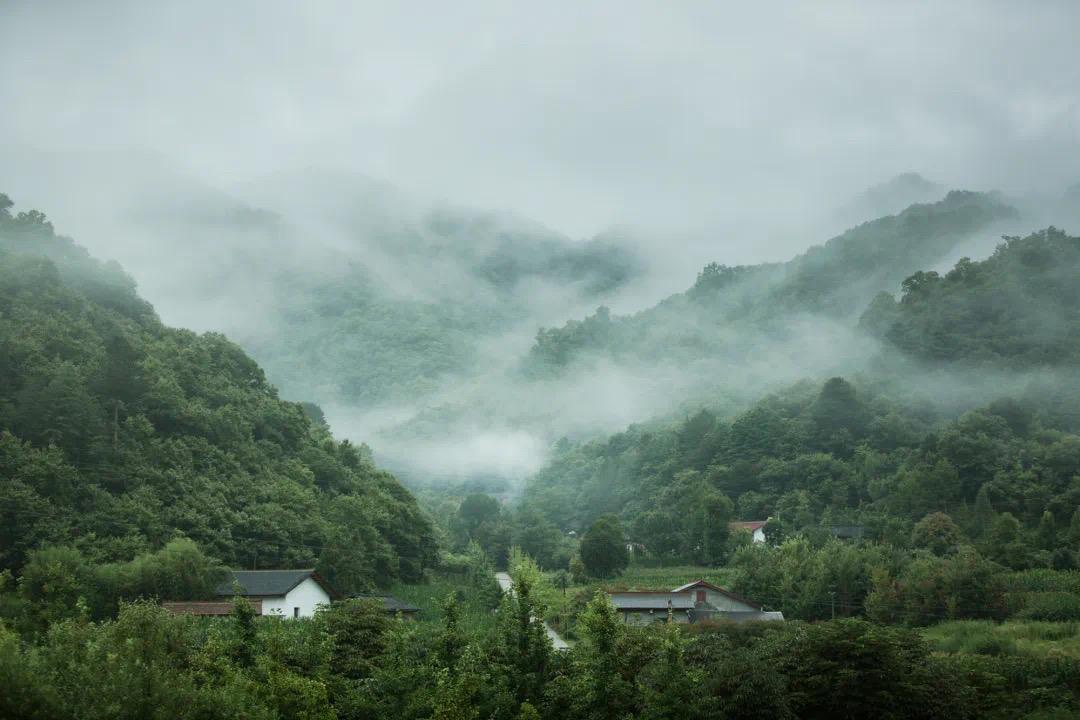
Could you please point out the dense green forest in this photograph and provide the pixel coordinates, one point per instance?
(137, 461)
(1019, 308)
(119, 435)
(883, 448)
(351, 661)
(734, 311)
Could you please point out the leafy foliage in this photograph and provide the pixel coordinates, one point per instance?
(1017, 308)
(118, 434)
(730, 311)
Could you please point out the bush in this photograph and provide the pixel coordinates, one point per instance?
(993, 645)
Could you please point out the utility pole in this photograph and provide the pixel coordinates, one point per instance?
(832, 603)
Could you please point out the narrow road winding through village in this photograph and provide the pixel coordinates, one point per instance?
(507, 585)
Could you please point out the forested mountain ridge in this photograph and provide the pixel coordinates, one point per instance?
(1018, 308)
(834, 281)
(890, 197)
(355, 292)
(887, 447)
(118, 434)
(364, 339)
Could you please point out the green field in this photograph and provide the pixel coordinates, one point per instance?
(1014, 637)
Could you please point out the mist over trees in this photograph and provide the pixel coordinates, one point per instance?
(121, 434)
(140, 461)
(660, 361)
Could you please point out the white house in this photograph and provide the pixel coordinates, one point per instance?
(756, 528)
(690, 603)
(279, 593)
(285, 593)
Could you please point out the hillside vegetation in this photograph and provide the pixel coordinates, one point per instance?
(118, 434)
(884, 448)
(734, 311)
(1019, 308)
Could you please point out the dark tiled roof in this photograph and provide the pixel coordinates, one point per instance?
(268, 583)
(390, 603)
(205, 608)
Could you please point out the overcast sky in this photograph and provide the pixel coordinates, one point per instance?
(659, 115)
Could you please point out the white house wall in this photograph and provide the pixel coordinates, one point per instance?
(275, 606)
(307, 596)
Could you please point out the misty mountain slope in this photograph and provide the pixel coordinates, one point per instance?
(890, 198)
(350, 291)
(833, 453)
(409, 306)
(833, 281)
(1019, 308)
(735, 335)
(975, 392)
(344, 288)
(117, 433)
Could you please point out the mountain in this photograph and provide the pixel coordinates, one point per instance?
(118, 434)
(344, 288)
(766, 303)
(890, 197)
(395, 313)
(738, 333)
(1017, 309)
(974, 392)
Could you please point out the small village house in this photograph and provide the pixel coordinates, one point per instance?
(756, 528)
(278, 593)
(691, 603)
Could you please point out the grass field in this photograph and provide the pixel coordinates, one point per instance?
(1014, 637)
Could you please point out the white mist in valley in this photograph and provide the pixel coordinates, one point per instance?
(384, 207)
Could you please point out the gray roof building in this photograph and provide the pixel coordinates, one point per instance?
(268, 583)
(690, 603)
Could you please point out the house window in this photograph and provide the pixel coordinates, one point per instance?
(296, 612)
(701, 596)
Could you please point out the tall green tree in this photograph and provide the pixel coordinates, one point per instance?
(603, 548)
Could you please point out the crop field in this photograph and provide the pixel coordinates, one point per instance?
(637, 577)
(1014, 637)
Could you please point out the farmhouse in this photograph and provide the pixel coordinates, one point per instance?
(694, 602)
(280, 593)
(756, 528)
